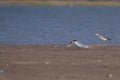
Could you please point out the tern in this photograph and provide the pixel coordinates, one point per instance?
(103, 38)
(78, 44)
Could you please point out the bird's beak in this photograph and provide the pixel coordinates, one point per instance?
(70, 42)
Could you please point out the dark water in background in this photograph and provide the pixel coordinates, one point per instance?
(58, 24)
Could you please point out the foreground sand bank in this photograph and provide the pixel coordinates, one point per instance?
(49, 62)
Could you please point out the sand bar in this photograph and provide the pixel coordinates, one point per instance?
(49, 62)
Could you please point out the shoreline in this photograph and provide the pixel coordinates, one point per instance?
(62, 3)
(58, 46)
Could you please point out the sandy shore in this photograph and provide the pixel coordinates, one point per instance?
(59, 63)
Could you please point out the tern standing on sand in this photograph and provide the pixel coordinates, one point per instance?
(78, 44)
(103, 38)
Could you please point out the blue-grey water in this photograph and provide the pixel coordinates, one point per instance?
(58, 24)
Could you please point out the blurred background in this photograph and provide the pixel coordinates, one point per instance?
(25, 22)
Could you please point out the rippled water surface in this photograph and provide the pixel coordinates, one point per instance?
(58, 24)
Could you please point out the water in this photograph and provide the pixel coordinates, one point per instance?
(23, 25)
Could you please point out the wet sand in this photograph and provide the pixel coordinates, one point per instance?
(49, 62)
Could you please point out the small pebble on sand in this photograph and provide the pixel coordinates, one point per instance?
(99, 60)
(47, 62)
(1, 71)
(109, 75)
